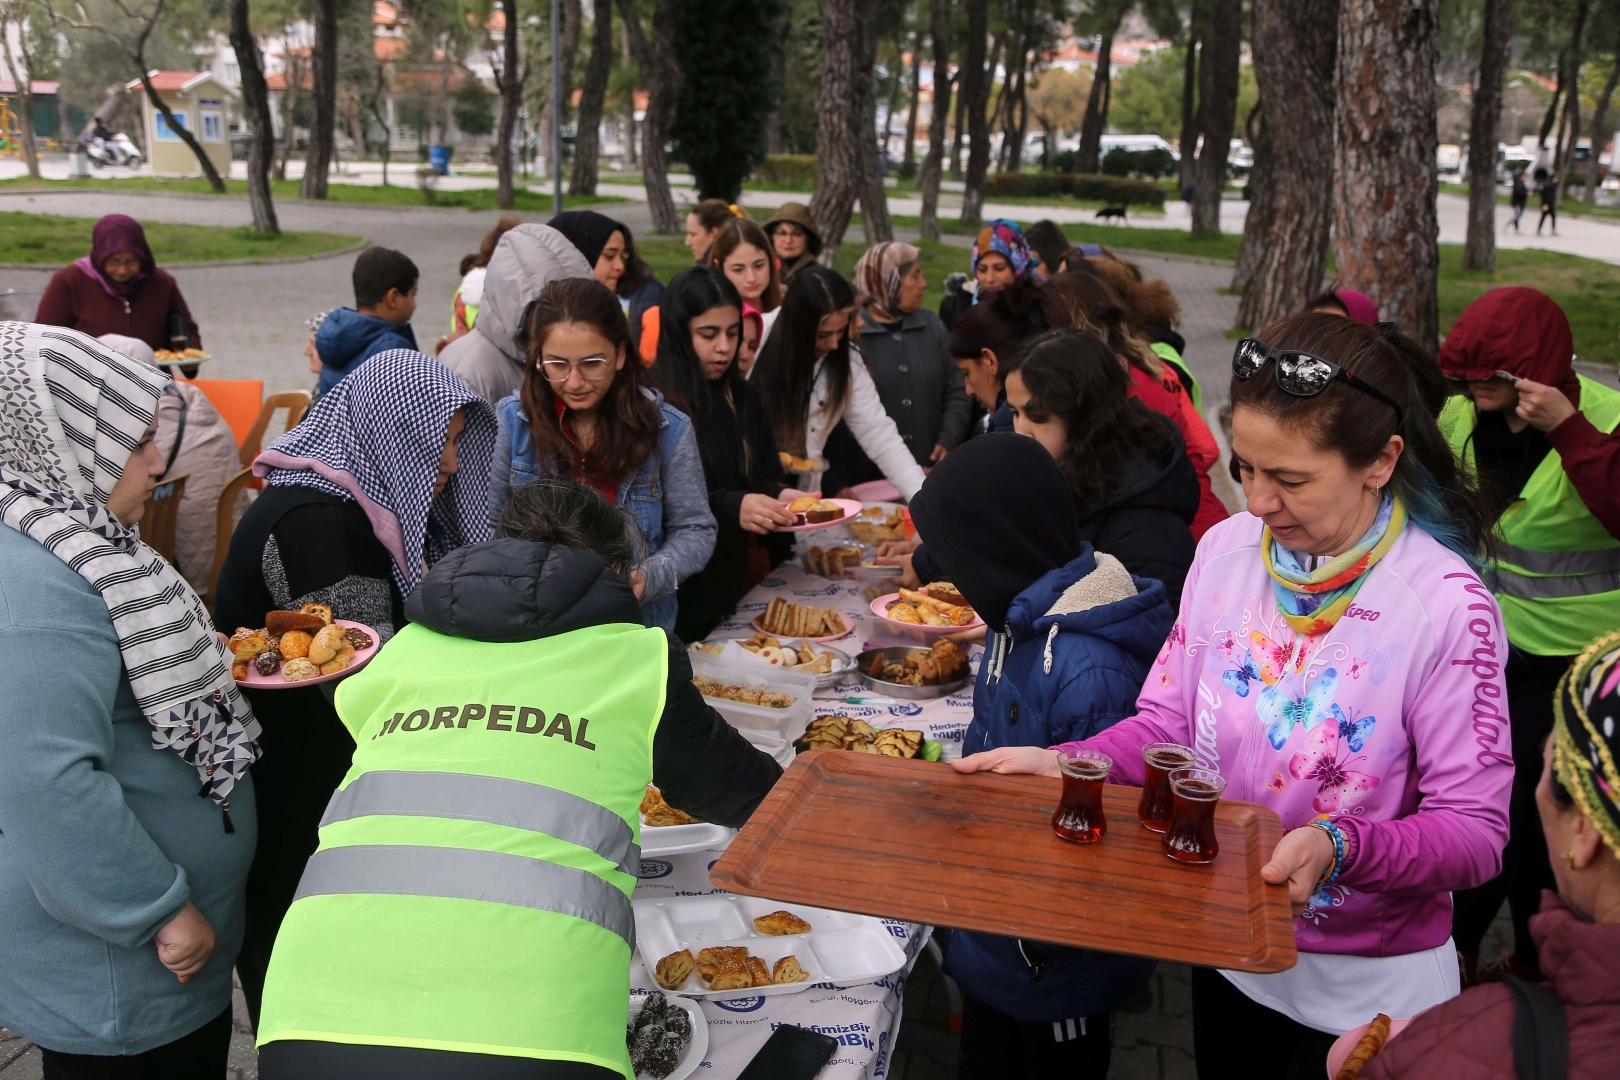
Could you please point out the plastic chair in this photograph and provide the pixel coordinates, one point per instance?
(237, 400)
(161, 520)
(296, 402)
(224, 524)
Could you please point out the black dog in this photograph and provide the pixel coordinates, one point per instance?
(1112, 212)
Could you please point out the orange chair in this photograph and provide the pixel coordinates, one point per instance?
(238, 400)
(225, 522)
(161, 520)
(294, 401)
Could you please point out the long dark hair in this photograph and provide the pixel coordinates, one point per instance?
(561, 510)
(1073, 376)
(1093, 304)
(627, 419)
(636, 271)
(1003, 320)
(733, 235)
(1440, 496)
(784, 371)
(676, 370)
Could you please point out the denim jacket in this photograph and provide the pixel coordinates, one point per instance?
(667, 495)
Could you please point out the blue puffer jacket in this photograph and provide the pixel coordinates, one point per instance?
(347, 338)
(1054, 674)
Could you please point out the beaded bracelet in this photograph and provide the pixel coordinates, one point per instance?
(1335, 834)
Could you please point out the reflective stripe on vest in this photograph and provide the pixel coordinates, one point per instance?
(468, 797)
(1605, 561)
(464, 874)
(1560, 587)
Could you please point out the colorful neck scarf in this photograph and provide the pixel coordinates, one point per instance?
(1586, 735)
(1313, 600)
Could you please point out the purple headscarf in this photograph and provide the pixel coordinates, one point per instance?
(1358, 305)
(112, 234)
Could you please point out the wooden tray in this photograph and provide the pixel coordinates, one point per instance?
(918, 841)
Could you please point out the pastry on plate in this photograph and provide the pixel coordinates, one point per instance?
(655, 812)
(326, 643)
(239, 669)
(322, 612)
(793, 463)
(713, 958)
(1366, 1049)
(299, 669)
(357, 637)
(732, 975)
(279, 622)
(673, 969)
(899, 743)
(787, 970)
(761, 973)
(342, 660)
(781, 923)
(266, 663)
(905, 613)
(294, 645)
(946, 593)
(245, 644)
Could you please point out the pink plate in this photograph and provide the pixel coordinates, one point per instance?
(256, 681)
(851, 507)
(818, 640)
(880, 608)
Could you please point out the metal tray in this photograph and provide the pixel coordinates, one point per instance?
(897, 654)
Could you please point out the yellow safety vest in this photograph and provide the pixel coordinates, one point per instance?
(1557, 568)
(471, 890)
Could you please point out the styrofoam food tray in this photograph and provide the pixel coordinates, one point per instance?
(658, 841)
(693, 1053)
(840, 947)
(786, 723)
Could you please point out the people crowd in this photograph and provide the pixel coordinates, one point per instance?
(1391, 645)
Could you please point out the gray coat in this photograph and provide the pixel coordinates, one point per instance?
(918, 380)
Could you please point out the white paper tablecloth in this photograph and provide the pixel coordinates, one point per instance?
(865, 1019)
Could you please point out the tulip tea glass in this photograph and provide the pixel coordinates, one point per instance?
(1079, 817)
(1162, 759)
(1191, 835)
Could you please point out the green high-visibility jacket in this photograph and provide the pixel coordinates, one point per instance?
(1557, 568)
(471, 890)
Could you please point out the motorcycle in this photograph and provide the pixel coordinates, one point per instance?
(117, 151)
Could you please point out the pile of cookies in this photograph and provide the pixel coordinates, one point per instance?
(801, 621)
(799, 657)
(832, 562)
(944, 663)
(846, 733)
(656, 1037)
(303, 644)
(874, 525)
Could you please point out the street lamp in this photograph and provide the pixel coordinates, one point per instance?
(556, 112)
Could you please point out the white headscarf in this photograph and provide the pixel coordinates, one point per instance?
(72, 411)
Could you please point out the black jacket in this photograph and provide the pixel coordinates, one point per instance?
(518, 590)
(1145, 523)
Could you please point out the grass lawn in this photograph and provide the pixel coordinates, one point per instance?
(371, 194)
(1166, 241)
(50, 240)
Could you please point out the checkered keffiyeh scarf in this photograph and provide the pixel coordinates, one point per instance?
(72, 411)
(878, 275)
(376, 437)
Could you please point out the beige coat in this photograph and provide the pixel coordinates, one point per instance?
(208, 453)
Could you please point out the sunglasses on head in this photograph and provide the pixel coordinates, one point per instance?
(1299, 373)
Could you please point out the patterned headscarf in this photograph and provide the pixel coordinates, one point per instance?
(1004, 237)
(376, 438)
(72, 411)
(1585, 729)
(878, 275)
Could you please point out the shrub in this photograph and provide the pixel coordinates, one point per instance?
(1151, 163)
(800, 172)
(1114, 190)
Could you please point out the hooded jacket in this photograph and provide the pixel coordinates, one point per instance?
(491, 358)
(796, 214)
(1470, 1037)
(1146, 523)
(518, 590)
(347, 338)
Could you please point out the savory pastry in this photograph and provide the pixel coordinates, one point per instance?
(761, 973)
(732, 975)
(656, 812)
(898, 743)
(781, 923)
(326, 643)
(357, 637)
(820, 511)
(239, 669)
(673, 969)
(294, 645)
(946, 593)
(266, 663)
(710, 961)
(245, 644)
(802, 503)
(905, 613)
(787, 970)
(343, 659)
(1366, 1049)
(279, 622)
(874, 525)
(745, 695)
(793, 463)
(298, 669)
(322, 612)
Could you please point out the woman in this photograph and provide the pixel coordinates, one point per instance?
(794, 238)
(808, 379)
(697, 369)
(1128, 473)
(753, 329)
(122, 890)
(1093, 305)
(470, 293)
(1075, 636)
(1336, 659)
(508, 954)
(384, 476)
(743, 253)
(582, 411)
(118, 289)
(1150, 308)
(1475, 1036)
(1000, 254)
(611, 251)
(986, 340)
(1047, 241)
(702, 222)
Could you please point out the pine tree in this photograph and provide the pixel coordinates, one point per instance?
(728, 88)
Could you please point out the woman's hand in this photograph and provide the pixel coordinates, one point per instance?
(975, 636)
(638, 582)
(1545, 407)
(185, 942)
(1301, 858)
(762, 514)
(1014, 759)
(939, 453)
(908, 578)
(898, 547)
(789, 494)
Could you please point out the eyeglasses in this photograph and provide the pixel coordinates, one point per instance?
(1299, 373)
(786, 229)
(591, 369)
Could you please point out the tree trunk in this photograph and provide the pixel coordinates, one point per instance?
(1022, 131)
(323, 72)
(379, 107)
(289, 105)
(656, 59)
(976, 79)
(509, 81)
(939, 37)
(874, 196)
(1217, 110)
(894, 99)
(1294, 49)
(1257, 223)
(256, 110)
(1600, 121)
(839, 130)
(1479, 252)
(959, 126)
(588, 141)
(1386, 236)
(1012, 145)
(1569, 128)
(180, 129)
(908, 156)
(1096, 120)
(1189, 98)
